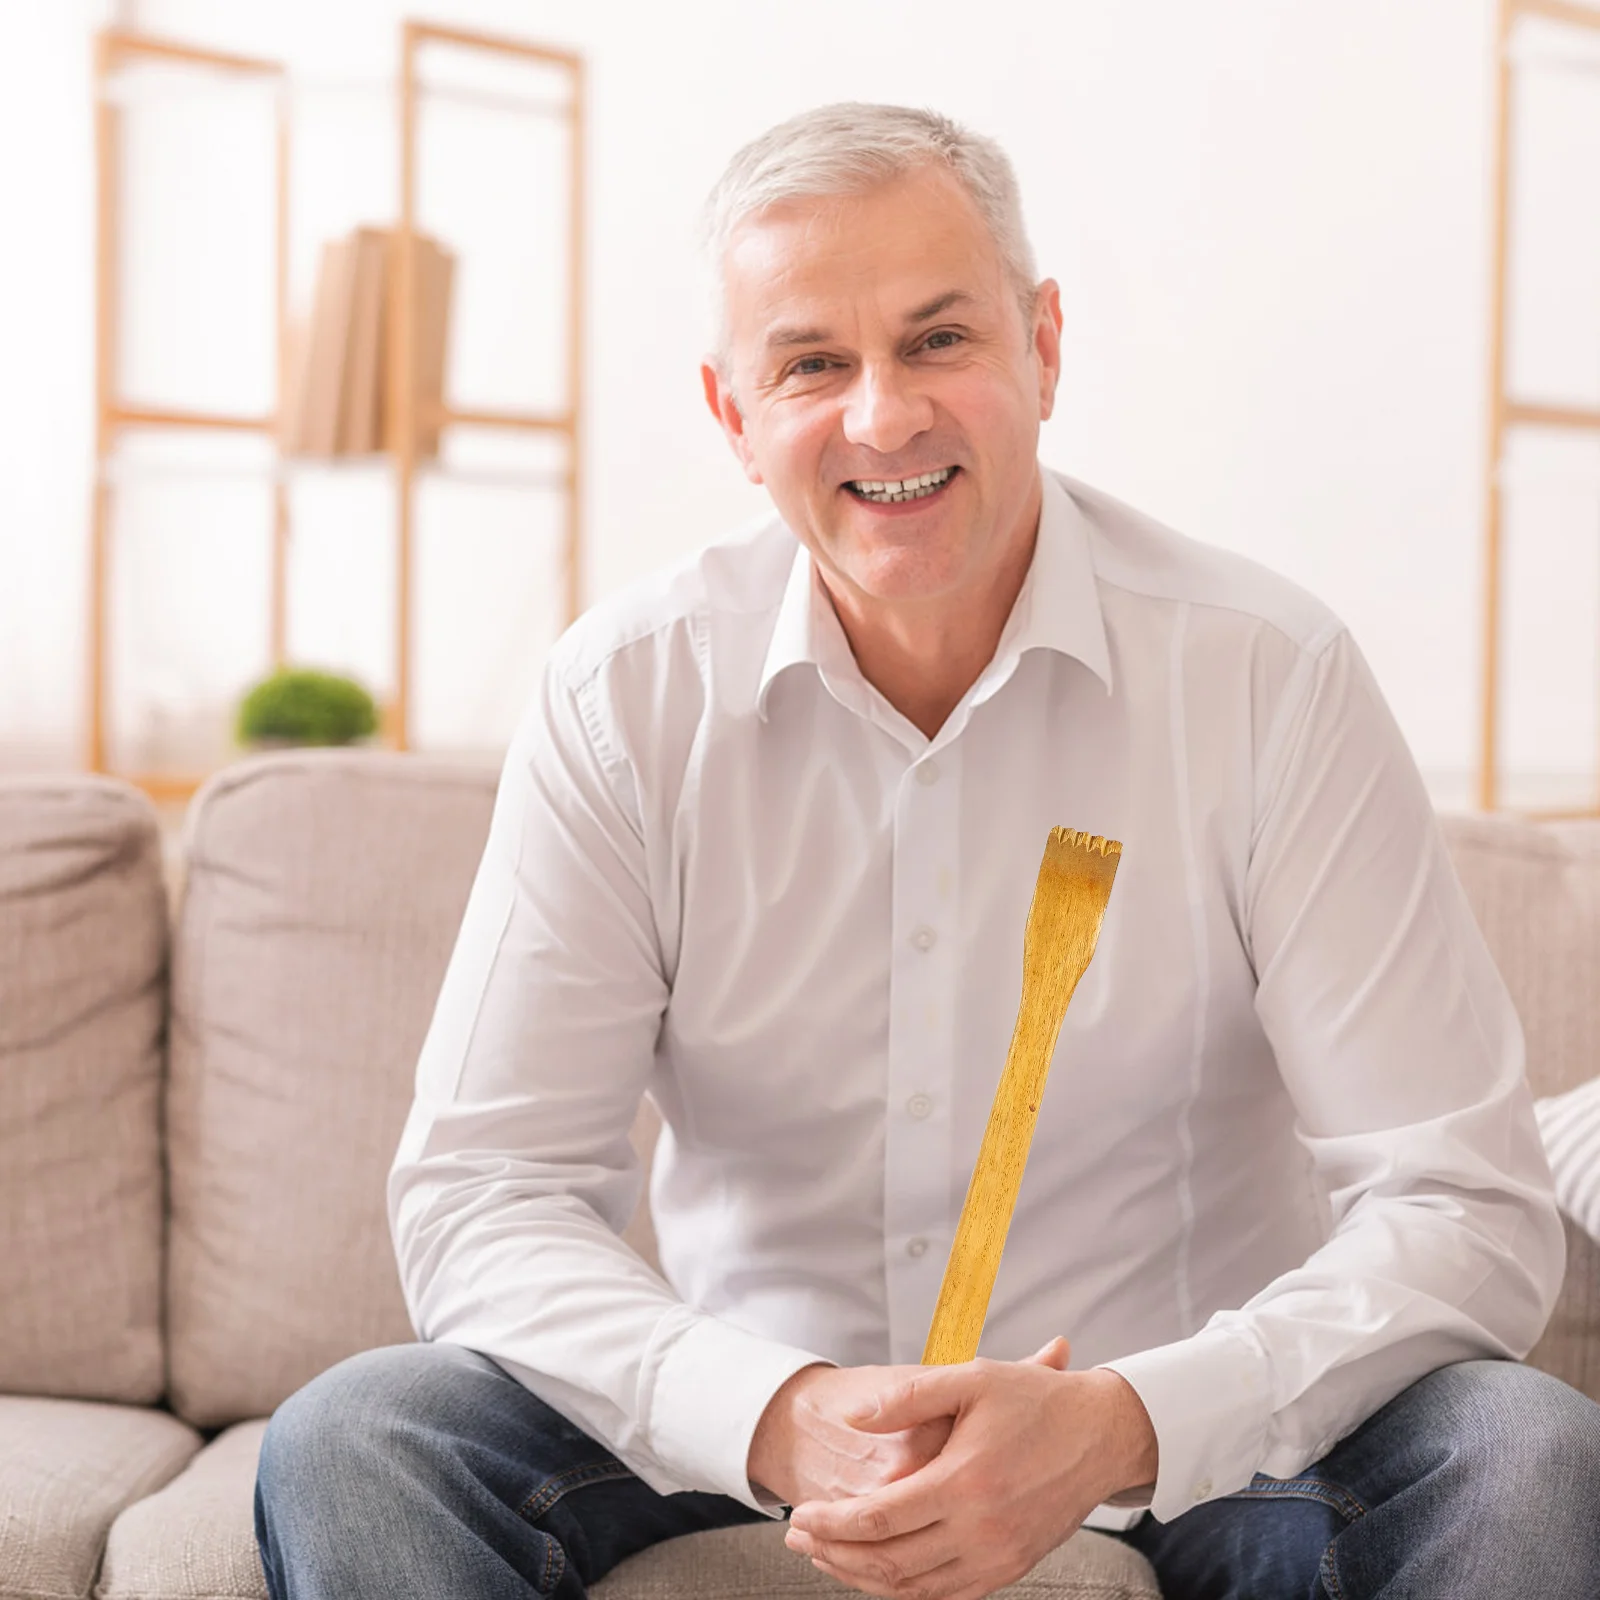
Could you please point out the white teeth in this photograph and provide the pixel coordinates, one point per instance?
(905, 489)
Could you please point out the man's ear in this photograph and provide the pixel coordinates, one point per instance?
(719, 396)
(1047, 343)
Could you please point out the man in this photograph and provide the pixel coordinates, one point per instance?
(763, 848)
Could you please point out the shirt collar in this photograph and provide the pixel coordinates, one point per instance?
(807, 629)
(1057, 608)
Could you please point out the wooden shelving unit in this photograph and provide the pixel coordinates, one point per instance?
(1507, 411)
(116, 413)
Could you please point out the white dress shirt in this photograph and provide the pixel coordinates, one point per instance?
(1286, 1160)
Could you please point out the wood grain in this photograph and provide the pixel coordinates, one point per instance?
(1069, 902)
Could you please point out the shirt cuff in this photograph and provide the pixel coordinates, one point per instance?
(710, 1391)
(1210, 1405)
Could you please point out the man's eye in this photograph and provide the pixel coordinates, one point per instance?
(808, 366)
(941, 340)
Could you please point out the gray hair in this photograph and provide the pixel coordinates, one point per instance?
(853, 146)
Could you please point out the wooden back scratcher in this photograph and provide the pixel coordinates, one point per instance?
(1069, 901)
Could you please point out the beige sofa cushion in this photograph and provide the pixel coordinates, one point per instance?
(1535, 888)
(67, 1467)
(83, 954)
(324, 892)
(752, 1562)
(195, 1540)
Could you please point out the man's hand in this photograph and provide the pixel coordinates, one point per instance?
(1030, 1453)
(804, 1449)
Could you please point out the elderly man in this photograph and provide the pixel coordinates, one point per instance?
(763, 849)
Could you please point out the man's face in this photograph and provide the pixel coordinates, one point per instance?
(876, 338)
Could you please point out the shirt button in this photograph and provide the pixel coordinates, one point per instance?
(924, 938)
(916, 1247)
(1202, 1489)
(927, 773)
(919, 1105)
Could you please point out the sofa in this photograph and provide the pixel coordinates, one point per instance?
(205, 1063)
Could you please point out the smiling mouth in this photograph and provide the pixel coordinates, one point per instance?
(886, 492)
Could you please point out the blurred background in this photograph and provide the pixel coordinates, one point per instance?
(1275, 228)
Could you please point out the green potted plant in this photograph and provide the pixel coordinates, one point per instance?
(301, 705)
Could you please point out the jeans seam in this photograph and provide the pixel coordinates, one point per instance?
(1340, 1500)
(552, 1489)
(1330, 1576)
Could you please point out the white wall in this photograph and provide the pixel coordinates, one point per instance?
(1271, 224)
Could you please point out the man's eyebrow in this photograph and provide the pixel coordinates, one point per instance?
(943, 302)
(783, 336)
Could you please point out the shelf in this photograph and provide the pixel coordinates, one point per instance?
(1520, 414)
(119, 91)
(129, 92)
(162, 787)
(290, 468)
(179, 786)
(118, 42)
(152, 417)
(518, 421)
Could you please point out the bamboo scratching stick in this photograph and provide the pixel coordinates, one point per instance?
(1069, 901)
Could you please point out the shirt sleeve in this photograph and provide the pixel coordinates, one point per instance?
(515, 1174)
(1399, 1045)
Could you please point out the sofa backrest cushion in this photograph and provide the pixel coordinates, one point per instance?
(1535, 889)
(323, 893)
(83, 960)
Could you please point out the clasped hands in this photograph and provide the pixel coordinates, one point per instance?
(949, 1482)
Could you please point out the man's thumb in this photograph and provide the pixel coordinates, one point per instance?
(1055, 1354)
(921, 1398)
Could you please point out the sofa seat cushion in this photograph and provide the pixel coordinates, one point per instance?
(83, 995)
(751, 1562)
(195, 1539)
(67, 1468)
(1535, 890)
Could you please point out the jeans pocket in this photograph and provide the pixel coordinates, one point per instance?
(1332, 1495)
(560, 1483)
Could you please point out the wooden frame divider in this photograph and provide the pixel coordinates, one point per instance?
(1505, 412)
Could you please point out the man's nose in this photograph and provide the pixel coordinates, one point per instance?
(884, 409)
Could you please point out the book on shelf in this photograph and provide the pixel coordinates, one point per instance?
(312, 414)
(435, 275)
(338, 397)
(358, 397)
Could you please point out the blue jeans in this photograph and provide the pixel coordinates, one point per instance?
(425, 1470)
(1480, 1481)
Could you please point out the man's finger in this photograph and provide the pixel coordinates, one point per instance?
(906, 1564)
(932, 1392)
(941, 1580)
(903, 1506)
